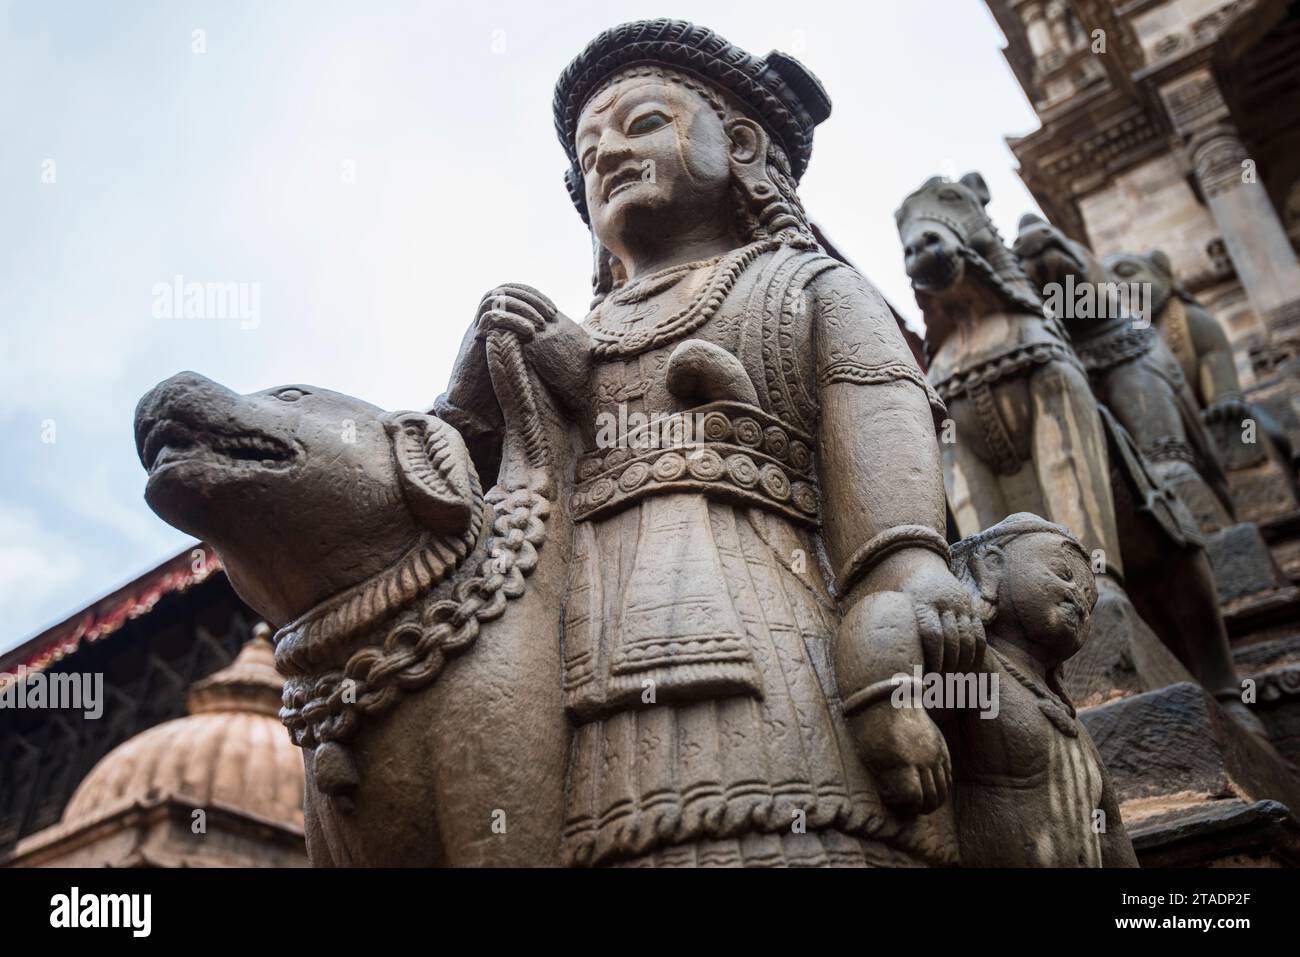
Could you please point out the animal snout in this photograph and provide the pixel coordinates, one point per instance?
(186, 396)
(929, 258)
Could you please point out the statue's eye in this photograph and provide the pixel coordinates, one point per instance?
(290, 394)
(950, 196)
(588, 159)
(646, 124)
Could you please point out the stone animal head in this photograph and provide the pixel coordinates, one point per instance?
(1153, 270)
(1032, 583)
(1049, 256)
(952, 250)
(307, 494)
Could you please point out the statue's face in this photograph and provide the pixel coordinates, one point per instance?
(654, 155)
(1129, 268)
(930, 224)
(1049, 256)
(1050, 588)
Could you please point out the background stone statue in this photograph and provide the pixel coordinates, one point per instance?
(1031, 788)
(1137, 380)
(1259, 459)
(1025, 432)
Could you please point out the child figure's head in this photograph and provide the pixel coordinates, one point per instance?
(1031, 583)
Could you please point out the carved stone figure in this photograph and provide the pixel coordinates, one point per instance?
(1137, 380)
(1031, 789)
(366, 539)
(1204, 355)
(705, 572)
(1026, 434)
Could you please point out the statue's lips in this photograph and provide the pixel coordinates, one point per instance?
(169, 442)
(620, 180)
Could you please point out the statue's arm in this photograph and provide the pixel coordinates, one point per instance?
(882, 492)
(1216, 369)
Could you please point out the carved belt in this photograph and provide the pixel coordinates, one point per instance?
(744, 456)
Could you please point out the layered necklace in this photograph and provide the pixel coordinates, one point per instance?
(724, 272)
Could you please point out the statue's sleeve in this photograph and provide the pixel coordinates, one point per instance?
(879, 464)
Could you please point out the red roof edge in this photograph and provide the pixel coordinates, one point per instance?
(101, 618)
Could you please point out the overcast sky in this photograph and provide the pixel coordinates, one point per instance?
(373, 168)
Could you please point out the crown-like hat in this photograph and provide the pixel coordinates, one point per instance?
(778, 90)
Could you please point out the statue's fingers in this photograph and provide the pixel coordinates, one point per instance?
(970, 649)
(951, 642)
(506, 321)
(538, 301)
(513, 304)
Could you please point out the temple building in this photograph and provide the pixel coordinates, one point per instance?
(144, 783)
(1171, 124)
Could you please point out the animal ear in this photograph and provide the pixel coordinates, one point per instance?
(1160, 259)
(975, 183)
(1031, 219)
(438, 478)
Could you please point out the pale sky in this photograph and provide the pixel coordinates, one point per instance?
(129, 158)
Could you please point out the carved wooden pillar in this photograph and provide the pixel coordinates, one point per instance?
(1253, 232)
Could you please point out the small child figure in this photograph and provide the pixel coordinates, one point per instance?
(1030, 788)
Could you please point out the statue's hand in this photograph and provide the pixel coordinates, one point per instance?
(515, 308)
(1231, 410)
(952, 635)
(907, 755)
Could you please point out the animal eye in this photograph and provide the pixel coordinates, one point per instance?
(950, 196)
(290, 394)
(646, 124)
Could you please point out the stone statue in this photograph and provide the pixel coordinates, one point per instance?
(1025, 434)
(1031, 789)
(366, 539)
(1137, 380)
(720, 484)
(1204, 355)
(1132, 371)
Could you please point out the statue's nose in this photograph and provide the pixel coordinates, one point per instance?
(922, 243)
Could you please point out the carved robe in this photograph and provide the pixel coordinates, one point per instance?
(707, 722)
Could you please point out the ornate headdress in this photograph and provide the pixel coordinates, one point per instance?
(777, 90)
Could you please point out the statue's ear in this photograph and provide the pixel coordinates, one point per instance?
(1031, 219)
(988, 565)
(438, 478)
(1160, 259)
(748, 141)
(975, 183)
